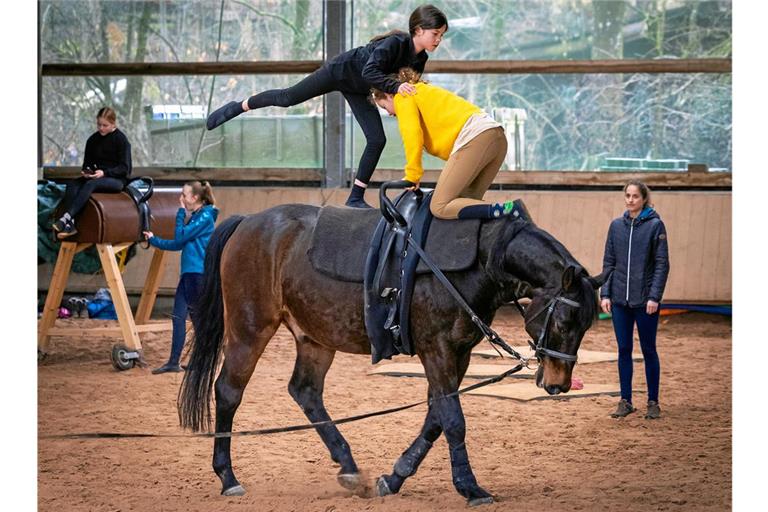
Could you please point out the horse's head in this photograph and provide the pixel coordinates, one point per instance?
(556, 320)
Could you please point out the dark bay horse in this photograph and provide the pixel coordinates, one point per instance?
(258, 276)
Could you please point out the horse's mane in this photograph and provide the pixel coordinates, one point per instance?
(511, 228)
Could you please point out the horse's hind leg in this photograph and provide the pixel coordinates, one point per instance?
(306, 388)
(245, 344)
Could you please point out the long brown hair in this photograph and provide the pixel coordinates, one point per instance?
(425, 16)
(644, 191)
(405, 74)
(203, 190)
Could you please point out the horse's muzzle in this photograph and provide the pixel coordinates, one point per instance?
(553, 377)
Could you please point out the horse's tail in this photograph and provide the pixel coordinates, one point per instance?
(194, 401)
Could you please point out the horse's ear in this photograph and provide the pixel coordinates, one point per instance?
(598, 280)
(569, 277)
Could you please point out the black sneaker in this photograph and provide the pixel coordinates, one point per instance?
(654, 411)
(69, 230)
(223, 114)
(59, 225)
(623, 409)
(357, 203)
(168, 367)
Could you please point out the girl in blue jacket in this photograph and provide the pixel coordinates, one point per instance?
(194, 227)
(353, 73)
(636, 262)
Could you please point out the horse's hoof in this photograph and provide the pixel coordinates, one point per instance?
(237, 490)
(382, 488)
(349, 481)
(480, 501)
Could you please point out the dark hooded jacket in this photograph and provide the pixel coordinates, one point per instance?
(636, 259)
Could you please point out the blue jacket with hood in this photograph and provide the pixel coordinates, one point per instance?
(636, 259)
(190, 238)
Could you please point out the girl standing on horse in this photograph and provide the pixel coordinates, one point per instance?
(106, 168)
(449, 127)
(194, 227)
(636, 262)
(353, 73)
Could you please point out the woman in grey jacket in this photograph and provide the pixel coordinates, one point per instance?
(636, 261)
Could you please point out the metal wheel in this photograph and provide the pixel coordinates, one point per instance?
(119, 359)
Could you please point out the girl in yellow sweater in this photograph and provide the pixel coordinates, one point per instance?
(453, 129)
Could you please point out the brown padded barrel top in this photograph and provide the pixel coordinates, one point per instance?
(114, 218)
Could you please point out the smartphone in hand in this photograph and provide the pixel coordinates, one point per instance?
(88, 170)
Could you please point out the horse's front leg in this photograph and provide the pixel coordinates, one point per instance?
(411, 458)
(452, 420)
(444, 373)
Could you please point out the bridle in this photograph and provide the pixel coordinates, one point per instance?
(540, 347)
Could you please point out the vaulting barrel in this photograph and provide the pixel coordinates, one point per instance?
(113, 222)
(114, 218)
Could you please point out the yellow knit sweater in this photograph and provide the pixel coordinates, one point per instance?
(431, 119)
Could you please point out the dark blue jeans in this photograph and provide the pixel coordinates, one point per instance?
(322, 82)
(624, 320)
(187, 293)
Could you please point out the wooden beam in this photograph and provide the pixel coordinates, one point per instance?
(180, 68)
(433, 66)
(181, 174)
(508, 178)
(536, 67)
(90, 332)
(521, 179)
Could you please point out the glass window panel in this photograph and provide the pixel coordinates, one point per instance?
(562, 29)
(593, 122)
(166, 123)
(180, 30)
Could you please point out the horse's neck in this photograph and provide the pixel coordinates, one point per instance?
(536, 258)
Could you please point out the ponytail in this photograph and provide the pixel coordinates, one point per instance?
(203, 190)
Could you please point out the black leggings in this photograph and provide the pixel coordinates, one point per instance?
(321, 82)
(79, 190)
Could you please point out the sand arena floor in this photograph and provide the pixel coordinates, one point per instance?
(561, 455)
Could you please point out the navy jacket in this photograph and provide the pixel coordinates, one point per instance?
(111, 153)
(190, 238)
(636, 260)
(368, 66)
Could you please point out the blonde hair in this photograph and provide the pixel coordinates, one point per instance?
(203, 190)
(403, 75)
(108, 114)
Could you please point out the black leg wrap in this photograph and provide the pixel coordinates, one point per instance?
(463, 478)
(409, 461)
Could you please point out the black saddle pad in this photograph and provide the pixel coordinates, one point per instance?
(342, 238)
